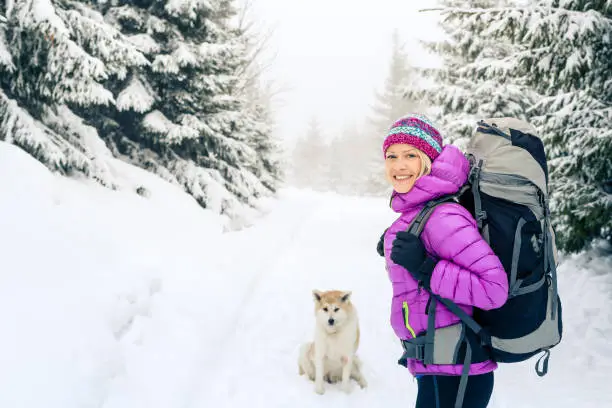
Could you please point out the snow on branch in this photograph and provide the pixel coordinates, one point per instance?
(194, 122)
(541, 22)
(156, 122)
(30, 13)
(144, 43)
(81, 91)
(136, 96)
(165, 64)
(46, 145)
(189, 9)
(18, 127)
(6, 59)
(206, 185)
(215, 51)
(184, 56)
(545, 23)
(103, 41)
(69, 73)
(570, 103)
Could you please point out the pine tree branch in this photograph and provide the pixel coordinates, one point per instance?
(523, 10)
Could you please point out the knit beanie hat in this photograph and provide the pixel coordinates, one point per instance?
(418, 131)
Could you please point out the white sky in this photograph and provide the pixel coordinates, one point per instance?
(331, 55)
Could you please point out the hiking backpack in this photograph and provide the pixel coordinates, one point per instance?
(507, 193)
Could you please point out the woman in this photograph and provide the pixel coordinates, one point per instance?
(450, 259)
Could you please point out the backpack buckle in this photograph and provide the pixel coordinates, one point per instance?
(481, 216)
(474, 172)
(475, 169)
(413, 351)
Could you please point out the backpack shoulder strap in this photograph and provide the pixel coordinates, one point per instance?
(417, 225)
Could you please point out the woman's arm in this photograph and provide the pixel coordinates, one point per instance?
(468, 271)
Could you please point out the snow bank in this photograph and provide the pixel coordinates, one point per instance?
(81, 270)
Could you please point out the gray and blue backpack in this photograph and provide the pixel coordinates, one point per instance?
(507, 193)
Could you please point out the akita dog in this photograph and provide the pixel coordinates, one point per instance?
(332, 356)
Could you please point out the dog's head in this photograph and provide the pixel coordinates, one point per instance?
(332, 309)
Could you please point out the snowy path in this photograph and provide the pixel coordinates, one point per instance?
(257, 363)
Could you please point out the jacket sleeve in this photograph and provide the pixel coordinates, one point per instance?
(468, 271)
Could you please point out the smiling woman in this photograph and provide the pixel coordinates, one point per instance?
(404, 164)
(411, 145)
(448, 259)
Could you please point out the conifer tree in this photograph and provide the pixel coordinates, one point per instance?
(309, 158)
(160, 84)
(561, 51)
(457, 93)
(347, 155)
(54, 57)
(269, 166)
(188, 107)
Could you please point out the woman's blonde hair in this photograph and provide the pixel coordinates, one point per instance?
(425, 163)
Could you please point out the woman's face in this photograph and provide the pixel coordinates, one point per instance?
(402, 167)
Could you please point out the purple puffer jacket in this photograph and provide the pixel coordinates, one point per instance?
(468, 272)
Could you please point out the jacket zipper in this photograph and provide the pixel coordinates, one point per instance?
(406, 313)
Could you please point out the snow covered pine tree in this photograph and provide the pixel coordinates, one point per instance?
(549, 63)
(157, 84)
(52, 62)
(185, 115)
(457, 93)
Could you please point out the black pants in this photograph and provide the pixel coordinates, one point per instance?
(440, 391)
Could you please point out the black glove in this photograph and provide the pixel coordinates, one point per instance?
(409, 252)
(380, 248)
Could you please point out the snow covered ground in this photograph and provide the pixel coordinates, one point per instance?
(113, 300)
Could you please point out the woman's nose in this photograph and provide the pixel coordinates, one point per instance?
(400, 164)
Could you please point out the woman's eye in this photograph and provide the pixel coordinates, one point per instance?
(391, 156)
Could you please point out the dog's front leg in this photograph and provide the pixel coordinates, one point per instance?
(319, 363)
(347, 368)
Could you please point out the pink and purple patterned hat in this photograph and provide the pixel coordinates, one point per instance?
(418, 131)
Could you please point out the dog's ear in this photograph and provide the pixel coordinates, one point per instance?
(317, 295)
(346, 296)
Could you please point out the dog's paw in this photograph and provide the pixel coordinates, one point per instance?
(346, 387)
(363, 383)
(331, 379)
(319, 389)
